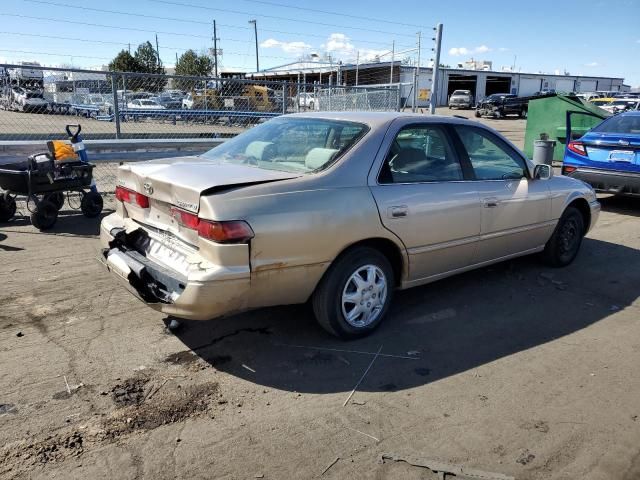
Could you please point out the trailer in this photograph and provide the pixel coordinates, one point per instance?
(22, 88)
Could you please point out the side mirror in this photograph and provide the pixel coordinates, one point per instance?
(542, 172)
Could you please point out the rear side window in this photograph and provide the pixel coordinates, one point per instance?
(629, 124)
(489, 158)
(420, 154)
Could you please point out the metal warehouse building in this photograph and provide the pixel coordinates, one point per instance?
(481, 82)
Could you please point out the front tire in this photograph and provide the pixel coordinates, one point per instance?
(354, 295)
(564, 244)
(44, 215)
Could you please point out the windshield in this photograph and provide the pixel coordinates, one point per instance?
(296, 145)
(148, 102)
(629, 124)
(461, 92)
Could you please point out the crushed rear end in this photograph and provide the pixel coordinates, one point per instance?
(165, 253)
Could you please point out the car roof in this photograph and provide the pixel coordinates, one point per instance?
(376, 119)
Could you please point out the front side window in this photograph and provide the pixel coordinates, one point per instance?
(297, 145)
(489, 158)
(420, 154)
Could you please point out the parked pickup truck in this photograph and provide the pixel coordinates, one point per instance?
(500, 105)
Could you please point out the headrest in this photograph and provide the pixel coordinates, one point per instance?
(258, 149)
(317, 157)
(407, 157)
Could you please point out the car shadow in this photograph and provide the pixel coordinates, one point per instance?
(69, 222)
(629, 206)
(432, 332)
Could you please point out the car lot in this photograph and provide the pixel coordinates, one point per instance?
(515, 369)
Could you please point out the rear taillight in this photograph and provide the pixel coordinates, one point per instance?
(568, 170)
(577, 147)
(234, 231)
(186, 219)
(129, 196)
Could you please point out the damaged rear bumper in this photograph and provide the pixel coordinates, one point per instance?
(202, 292)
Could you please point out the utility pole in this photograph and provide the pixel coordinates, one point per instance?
(357, 65)
(436, 70)
(393, 57)
(215, 50)
(417, 77)
(255, 32)
(158, 51)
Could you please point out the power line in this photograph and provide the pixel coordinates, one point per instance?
(358, 17)
(54, 54)
(61, 20)
(167, 47)
(185, 20)
(191, 5)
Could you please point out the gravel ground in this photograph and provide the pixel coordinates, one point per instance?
(516, 369)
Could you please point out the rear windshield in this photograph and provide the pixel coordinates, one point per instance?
(297, 145)
(629, 124)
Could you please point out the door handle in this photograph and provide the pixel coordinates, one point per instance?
(398, 211)
(490, 202)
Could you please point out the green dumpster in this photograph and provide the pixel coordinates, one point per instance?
(549, 115)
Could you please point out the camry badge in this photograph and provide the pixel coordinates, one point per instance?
(623, 142)
(148, 188)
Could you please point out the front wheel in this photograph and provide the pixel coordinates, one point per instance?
(354, 295)
(564, 244)
(45, 215)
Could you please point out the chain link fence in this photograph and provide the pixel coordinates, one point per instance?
(37, 102)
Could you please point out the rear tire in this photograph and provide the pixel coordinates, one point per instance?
(354, 295)
(477, 114)
(45, 215)
(523, 113)
(7, 207)
(91, 204)
(57, 198)
(564, 244)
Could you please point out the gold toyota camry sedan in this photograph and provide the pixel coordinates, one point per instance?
(341, 209)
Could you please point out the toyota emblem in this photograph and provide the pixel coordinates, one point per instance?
(148, 188)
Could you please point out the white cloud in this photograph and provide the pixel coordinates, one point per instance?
(339, 45)
(458, 51)
(287, 47)
(591, 64)
(461, 51)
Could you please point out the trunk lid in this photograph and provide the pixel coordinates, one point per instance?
(613, 151)
(181, 181)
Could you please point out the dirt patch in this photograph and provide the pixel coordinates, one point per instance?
(54, 448)
(185, 357)
(218, 360)
(172, 403)
(131, 392)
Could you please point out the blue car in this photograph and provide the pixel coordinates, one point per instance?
(608, 156)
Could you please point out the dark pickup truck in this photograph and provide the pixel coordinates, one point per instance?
(500, 105)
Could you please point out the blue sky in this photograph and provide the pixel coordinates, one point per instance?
(589, 37)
